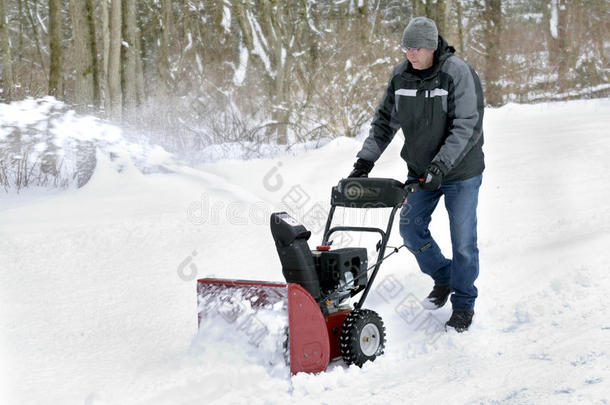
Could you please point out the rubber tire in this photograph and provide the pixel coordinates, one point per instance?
(349, 342)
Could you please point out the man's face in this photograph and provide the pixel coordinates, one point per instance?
(420, 58)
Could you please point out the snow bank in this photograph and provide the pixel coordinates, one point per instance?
(45, 144)
(96, 308)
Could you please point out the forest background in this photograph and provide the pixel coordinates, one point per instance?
(191, 74)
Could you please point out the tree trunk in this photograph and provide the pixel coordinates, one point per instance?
(561, 44)
(417, 8)
(114, 61)
(493, 55)
(92, 38)
(34, 25)
(430, 8)
(376, 21)
(21, 36)
(362, 14)
(140, 93)
(450, 29)
(163, 58)
(564, 45)
(460, 26)
(105, 55)
(84, 87)
(440, 13)
(7, 69)
(240, 15)
(55, 36)
(128, 58)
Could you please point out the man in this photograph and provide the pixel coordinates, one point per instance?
(437, 100)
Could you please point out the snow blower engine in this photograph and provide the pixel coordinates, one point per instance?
(321, 325)
(329, 276)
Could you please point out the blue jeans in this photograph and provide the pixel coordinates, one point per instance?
(461, 198)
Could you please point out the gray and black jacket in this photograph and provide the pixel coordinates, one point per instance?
(441, 117)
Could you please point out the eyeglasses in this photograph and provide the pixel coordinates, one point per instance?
(406, 49)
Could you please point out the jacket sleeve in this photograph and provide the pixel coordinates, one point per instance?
(465, 113)
(383, 127)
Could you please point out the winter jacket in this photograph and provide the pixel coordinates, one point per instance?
(441, 117)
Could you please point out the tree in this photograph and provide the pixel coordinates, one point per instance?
(29, 13)
(128, 57)
(559, 52)
(440, 17)
(460, 26)
(105, 55)
(493, 54)
(86, 84)
(417, 8)
(7, 64)
(55, 37)
(256, 71)
(377, 19)
(163, 60)
(114, 61)
(92, 38)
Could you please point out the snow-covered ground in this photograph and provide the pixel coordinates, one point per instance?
(97, 285)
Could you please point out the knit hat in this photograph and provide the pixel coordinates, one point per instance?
(420, 33)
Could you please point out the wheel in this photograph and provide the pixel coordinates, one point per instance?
(362, 337)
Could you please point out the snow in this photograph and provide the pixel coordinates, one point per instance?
(226, 19)
(240, 71)
(259, 43)
(97, 291)
(348, 65)
(25, 113)
(47, 123)
(554, 18)
(189, 44)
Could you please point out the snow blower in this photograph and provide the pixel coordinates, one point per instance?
(320, 325)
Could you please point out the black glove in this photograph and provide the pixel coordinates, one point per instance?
(433, 178)
(361, 168)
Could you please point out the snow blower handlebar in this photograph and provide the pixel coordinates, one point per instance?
(412, 186)
(369, 193)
